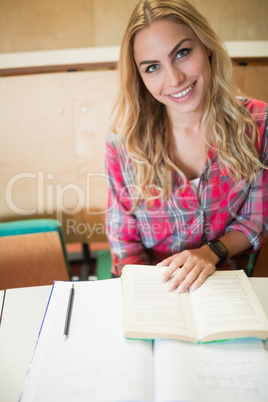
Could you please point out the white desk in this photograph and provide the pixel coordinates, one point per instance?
(260, 285)
(21, 320)
(22, 316)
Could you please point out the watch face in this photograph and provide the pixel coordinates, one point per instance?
(220, 246)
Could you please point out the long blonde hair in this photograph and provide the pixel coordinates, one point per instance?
(144, 126)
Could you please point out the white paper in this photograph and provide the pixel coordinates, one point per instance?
(231, 371)
(95, 363)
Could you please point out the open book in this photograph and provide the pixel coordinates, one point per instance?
(224, 307)
(96, 363)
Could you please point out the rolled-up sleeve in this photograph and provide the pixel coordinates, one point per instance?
(252, 219)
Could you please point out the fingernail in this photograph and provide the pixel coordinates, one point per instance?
(171, 287)
(163, 279)
(181, 289)
(193, 287)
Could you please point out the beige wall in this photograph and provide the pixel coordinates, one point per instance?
(30, 25)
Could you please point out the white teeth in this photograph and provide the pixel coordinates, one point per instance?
(183, 93)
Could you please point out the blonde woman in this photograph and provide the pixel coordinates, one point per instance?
(186, 158)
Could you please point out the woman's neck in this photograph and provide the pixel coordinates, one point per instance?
(190, 147)
(185, 122)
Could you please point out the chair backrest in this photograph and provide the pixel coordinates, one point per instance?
(32, 253)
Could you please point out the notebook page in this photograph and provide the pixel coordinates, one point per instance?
(96, 362)
(233, 371)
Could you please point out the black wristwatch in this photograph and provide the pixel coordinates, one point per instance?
(220, 250)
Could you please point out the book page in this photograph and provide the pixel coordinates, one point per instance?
(231, 371)
(96, 363)
(227, 305)
(150, 311)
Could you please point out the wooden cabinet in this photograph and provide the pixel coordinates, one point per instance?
(53, 129)
(252, 80)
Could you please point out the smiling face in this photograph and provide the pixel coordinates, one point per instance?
(174, 65)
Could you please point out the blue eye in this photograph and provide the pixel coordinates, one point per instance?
(152, 68)
(181, 53)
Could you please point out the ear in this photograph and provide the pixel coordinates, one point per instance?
(209, 53)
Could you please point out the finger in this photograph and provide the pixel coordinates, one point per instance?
(167, 261)
(185, 263)
(190, 278)
(170, 270)
(191, 273)
(185, 276)
(202, 277)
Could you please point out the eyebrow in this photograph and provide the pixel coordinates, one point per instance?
(169, 55)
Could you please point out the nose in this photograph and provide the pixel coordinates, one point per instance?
(174, 76)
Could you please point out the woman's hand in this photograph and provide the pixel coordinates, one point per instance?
(195, 266)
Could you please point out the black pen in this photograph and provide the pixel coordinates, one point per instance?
(69, 313)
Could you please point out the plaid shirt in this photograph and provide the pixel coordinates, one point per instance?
(187, 220)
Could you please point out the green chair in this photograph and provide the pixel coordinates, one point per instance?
(246, 262)
(251, 263)
(104, 263)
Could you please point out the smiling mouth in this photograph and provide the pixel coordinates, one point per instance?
(183, 93)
